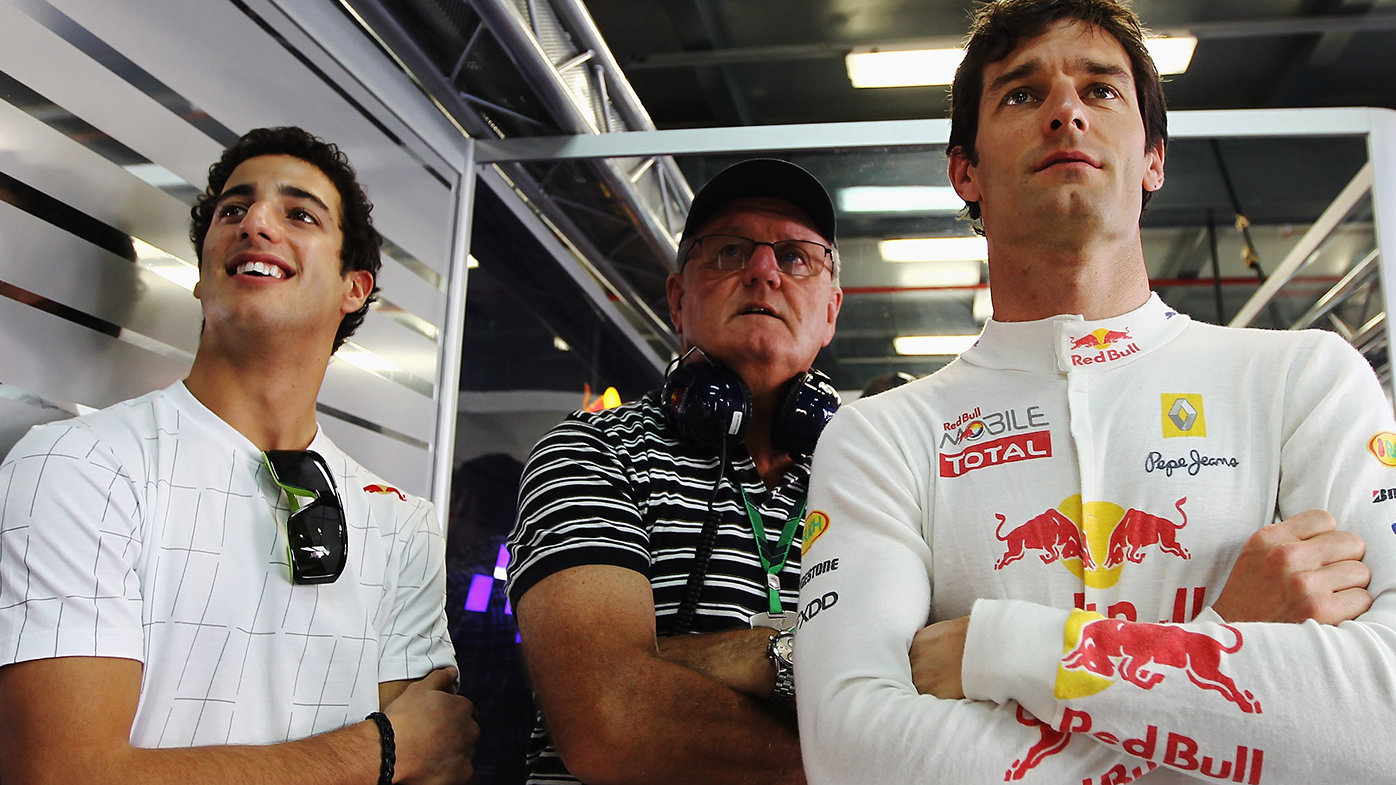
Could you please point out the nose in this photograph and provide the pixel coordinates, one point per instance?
(1065, 109)
(761, 268)
(260, 219)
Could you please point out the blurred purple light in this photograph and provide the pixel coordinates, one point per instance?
(478, 597)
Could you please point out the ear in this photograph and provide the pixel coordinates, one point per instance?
(964, 176)
(835, 303)
(673, 291)
(1153, 167)
(358, 285)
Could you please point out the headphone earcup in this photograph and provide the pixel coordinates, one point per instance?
(807, 408)
(707, 403)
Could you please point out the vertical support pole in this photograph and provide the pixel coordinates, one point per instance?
(1216, 265)
(1381, 147)
(452, 340)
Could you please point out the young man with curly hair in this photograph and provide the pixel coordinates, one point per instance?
(196, 585)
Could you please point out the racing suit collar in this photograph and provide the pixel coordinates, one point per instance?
(1067, 343)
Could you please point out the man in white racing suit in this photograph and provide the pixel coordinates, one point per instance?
(1080, 506)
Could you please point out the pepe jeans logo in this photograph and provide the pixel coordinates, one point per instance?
(1193, 463)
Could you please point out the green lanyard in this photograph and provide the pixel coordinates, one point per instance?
(787, 536)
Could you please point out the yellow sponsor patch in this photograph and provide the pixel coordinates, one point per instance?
(1382, 446)
(816, 523)
(1182, 415)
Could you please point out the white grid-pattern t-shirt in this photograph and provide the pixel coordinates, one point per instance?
(152, 531)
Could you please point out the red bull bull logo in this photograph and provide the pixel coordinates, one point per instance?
(1101, 339)
(1050, 741)
(1101, 651)
(1093, 539)
(1382, 446)
(1098, 346)
(384, 489)
(973, 431)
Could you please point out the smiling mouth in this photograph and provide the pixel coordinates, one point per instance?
(258, 270)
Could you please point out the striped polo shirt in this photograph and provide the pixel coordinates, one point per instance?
(621, 487)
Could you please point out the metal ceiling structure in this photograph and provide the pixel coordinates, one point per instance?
(546, 87)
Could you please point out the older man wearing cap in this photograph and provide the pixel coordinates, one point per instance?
(656, 558)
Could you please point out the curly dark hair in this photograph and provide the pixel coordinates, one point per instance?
(995, 31)
(360, 249)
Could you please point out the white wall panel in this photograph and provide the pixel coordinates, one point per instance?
(39, 257)
(214, 55)
(169, 81)
(403, 465)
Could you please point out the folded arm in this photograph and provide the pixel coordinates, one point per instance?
(619, 706)
(69, 720)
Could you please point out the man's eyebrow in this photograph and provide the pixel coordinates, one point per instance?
(238, 190)
(1015, 73)
(300, 193)
(247, 190)
(1097, 68)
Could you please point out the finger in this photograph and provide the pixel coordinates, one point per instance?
(1307, 524)
(1333, 547)
(1341, 576)
(1348, 604)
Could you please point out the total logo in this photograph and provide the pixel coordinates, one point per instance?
(1099, 346)
(1093, 539)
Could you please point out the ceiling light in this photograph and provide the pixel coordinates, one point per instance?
(925, 345)
(900, 199)
(940, 274)
(934, 249)
(471, 262)
(922, 67)
(1171, 55)
(903, 68)
(561, 345)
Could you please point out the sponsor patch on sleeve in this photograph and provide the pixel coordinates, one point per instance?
(1382, 446)
(816, 523)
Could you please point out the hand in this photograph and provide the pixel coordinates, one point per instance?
(937, 653)
(435, 731)
(1298, 569)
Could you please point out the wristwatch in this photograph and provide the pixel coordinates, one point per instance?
(781, 650)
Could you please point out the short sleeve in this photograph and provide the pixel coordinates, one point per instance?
(416, 640)
(70, 540)
(577, 505)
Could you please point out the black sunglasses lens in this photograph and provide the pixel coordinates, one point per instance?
(317, 532)
(317, 537)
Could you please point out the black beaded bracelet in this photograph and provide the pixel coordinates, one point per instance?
(385, 732)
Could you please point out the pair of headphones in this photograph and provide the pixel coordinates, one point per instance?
(710, 405)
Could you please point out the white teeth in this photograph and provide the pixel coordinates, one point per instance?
(259, 268)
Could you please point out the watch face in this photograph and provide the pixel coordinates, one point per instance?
(784, 646)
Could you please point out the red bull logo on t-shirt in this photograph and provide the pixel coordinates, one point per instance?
(1099, 346)
(1093, 539)
(1100, 652)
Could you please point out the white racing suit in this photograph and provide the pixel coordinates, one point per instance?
(1082, 490)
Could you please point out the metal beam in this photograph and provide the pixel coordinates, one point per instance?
(892, 133)
(1250, 28)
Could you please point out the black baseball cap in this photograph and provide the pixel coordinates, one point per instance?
(769, 177)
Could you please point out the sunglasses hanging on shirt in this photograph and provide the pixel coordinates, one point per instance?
(317, 538)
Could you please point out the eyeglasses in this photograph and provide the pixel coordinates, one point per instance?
(729, 252)
(317, 538)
